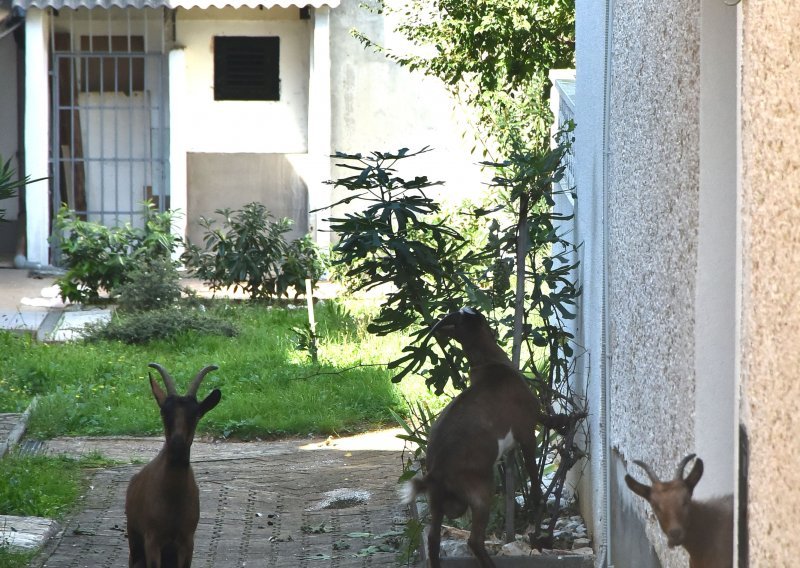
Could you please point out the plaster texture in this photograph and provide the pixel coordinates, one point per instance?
(653, 211)
(653, 215)
(770, 284)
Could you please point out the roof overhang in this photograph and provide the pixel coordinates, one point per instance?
(172, 4)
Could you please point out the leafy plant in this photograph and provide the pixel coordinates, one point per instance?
(389, 239)
(99, 258)
(9, 184)
(160, 324)
(303, 259)
(494, 56)
(154, 284)
(246, 252)
(518, 272)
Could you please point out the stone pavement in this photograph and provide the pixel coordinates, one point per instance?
(297, 503)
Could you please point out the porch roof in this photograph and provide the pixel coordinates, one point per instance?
(172, 4)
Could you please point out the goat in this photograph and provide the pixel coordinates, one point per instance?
(703, 528)
(162, 505)
(478, 426)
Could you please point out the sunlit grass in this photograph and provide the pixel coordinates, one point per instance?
(269, 387)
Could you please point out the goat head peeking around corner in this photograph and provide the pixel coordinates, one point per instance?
(162, 505)
(703, 528)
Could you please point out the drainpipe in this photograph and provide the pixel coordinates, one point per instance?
(605, 357)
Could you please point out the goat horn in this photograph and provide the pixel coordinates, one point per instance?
(169, 382)
(682, 465)
(653, 477)
(199, 379)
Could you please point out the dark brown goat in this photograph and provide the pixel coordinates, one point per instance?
(703, 528)
(163, 502)
(485, 420)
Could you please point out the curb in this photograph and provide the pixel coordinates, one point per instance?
(49, 325)
(18, 430)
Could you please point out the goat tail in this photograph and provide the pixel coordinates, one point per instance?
(411, 488)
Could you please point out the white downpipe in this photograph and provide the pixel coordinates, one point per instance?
(37, 136)
(319, 125)
(178, 177)
(605, 358)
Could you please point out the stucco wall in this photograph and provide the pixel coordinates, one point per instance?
(653, 208)
(245, 126)
(379, 105)
(771, 276)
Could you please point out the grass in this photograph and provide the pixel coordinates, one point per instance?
(269, 388)
(39, 486)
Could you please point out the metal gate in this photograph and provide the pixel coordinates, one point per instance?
(110, 126)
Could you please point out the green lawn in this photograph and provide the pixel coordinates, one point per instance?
(269, 387)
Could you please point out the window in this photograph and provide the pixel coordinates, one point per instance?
(246, 68)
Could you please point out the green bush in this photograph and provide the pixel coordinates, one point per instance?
(153, 285)
(99, 258)
(249, 252)
(303, 260)
(143, 327)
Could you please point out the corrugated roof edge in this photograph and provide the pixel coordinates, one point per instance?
(172, 4)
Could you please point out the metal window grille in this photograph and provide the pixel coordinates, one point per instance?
(109, 152)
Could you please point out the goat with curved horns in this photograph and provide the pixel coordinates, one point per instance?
(163, 502)
(703, 528)
(484, 421)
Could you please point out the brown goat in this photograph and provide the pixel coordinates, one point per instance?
(703, 528)
(479, 425)
(162, 505)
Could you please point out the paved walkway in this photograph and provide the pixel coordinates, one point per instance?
(297, 503)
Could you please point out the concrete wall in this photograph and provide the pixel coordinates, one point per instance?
(771, 270)
(217, 181)
(378, 105)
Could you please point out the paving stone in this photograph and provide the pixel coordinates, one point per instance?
(259, 502)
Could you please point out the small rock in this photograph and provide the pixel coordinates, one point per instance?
(451, 548)
(586, 551)
(517, 548)
(580, 543)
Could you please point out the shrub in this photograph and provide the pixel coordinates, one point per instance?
(98, 258)
(143, 327)
(303, 260)
(249, 251)
(152, 285)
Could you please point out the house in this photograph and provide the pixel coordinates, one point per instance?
(687, 179)
(196, 105)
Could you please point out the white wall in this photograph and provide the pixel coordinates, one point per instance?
(245, 126)
(590, 67)
(378, 105)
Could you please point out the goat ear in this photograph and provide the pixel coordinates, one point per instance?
(640, 489)
(694, 475)
(210, 401)
(158, 392)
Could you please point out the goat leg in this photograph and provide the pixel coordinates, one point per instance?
(477, 536)
(436, 506)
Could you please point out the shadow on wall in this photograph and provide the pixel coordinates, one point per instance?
(216, 181)
(630, 547)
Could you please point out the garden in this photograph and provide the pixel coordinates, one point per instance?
(363, 360)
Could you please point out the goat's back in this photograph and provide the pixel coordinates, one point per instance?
(465, 436)
(711, 541)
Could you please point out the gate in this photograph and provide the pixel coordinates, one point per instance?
(110, 126)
